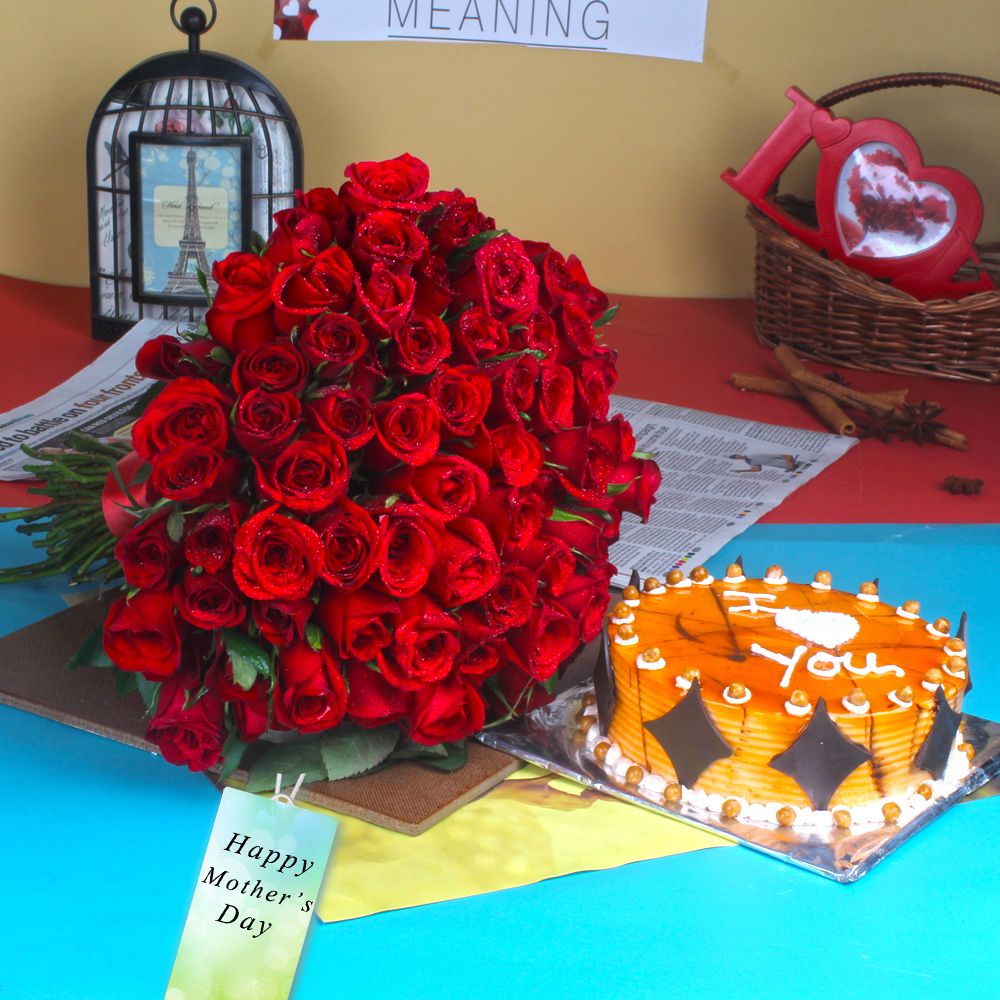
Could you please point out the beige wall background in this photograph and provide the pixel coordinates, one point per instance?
(615, 158)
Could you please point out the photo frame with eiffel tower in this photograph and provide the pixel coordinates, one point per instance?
(191, 205)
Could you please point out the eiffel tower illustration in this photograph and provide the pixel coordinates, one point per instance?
(183, 279)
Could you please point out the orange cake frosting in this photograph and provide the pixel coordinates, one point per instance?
(776, 701)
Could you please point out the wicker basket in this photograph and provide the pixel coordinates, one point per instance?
(835, 314)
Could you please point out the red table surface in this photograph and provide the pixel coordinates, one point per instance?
(675, 350)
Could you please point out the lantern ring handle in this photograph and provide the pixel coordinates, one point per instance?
(181, 28)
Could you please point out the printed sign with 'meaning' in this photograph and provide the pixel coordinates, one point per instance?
(666, 29)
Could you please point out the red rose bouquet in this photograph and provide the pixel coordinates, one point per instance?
(371, 503)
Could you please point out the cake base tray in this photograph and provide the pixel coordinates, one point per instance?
(547, 737)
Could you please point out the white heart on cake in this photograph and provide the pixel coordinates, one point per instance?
(829, 629)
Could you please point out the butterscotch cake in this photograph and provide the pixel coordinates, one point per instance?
(772, 701)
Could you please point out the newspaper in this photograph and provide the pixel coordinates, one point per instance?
(97, 400)
(720, 475)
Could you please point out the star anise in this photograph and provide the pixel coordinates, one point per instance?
(882, 426)
(918, 421)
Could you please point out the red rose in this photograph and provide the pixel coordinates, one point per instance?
(421, 344)
(342, 413)
(546, 641)
(551, 560)
(513, 516)
(556, 395)
(141, 634)
(388, 238)
(462, 396)
(467, 564)
(166, 358)
(264, 422)
(585, 598)
(399, 184)
(459, 221)
(350, 544)
(277, 557)
(447, 483)
(408, 550)
(251, 718)
(146, 554)
(479, 335)
(276, 366)
(595, 378)
(479, 662)
(444, 712)
(540, 334)
(566, 281)
(518, 454)
(308, 475)
(373, 701)
(191, 473)
(641, 477)
(506, 282)
(513, 387)
(424, 647)
(408, 427)
(510, 602)
(585, 535)
(434, 291)
(281, 622)
(360, 622)
(324, 200)
(578, 333)
(187, 411)
(318, 285)
(297, 233)
(191, 736)
(519, 691)
(242, 312)
(209, 601)
(209, 544)
(309, 691)
(332, 340)
(385, 298)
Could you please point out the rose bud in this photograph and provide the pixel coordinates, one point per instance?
(332, 340)
(424, 646)
(462, 396)
(276, 366)
(209, 544)
(189, 411)
(388, 238)
(361, 623)
(264, 422)
(350, 540)
(566, 281)
(408, 550)
(480, 335)
(372, 701)
(421, 344)
(321, 284)
(308, 475)
(242, 312)
(444, 712)
(194, 473)
(146, 554)
(298, 233)
(385, 298)
(281, 622)
(142, 634)
(277, 557)
(342, 413)
(309, 691)
(518, 454)
(399, 184)
(191, 736)
(408, 427)
(209, 601)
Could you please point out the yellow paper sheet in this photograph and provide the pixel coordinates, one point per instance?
(561, 827)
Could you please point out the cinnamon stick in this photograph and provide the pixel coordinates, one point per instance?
(807, 380)
(823, 404)
(788, 390)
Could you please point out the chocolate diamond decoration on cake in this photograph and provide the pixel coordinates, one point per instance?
(689, 737)
(933, 755)
(820, 758)
(634, 581)
(604, 686)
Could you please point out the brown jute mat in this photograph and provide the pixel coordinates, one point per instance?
(404, 796)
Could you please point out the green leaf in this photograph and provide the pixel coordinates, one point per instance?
(248, 659)
(458, 754)
(257, 243)
(289, 760)
(615, 488)
(607, 317)
(221, 355)
(91, 652)
(643, 454)
(565, 515)
(348, 751)
(150, 691)
(414, 751)
(314, 636)
(175, 525)
(232, 753)
(125, 682)
(203, 281)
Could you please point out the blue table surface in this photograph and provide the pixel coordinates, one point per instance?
(102, 846)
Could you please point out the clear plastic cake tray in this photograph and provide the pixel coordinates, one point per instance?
(546, 737)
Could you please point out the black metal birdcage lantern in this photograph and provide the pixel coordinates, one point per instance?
(188, 155)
